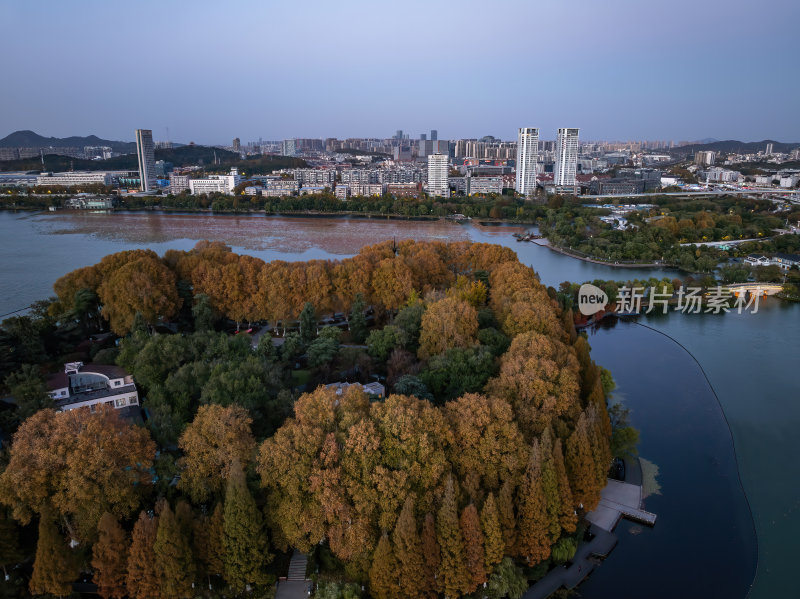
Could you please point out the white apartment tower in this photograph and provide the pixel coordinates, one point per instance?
(438, 168)
(566, 165)
(527, 157)
(147, 162)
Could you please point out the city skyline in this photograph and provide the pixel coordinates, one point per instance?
(624, 62)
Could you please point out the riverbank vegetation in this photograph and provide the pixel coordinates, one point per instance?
(670, 233)
(475, 468)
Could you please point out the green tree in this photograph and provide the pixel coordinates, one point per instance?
(202, 313)
(56, 566)
(358, 322)
(381, 342)
(173, 554)
(507, 580)
(322, 351)
(308, 323)
(244, 535)
(27, 387)
(10, 551)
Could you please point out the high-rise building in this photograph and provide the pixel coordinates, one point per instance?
(237, 145)
(527, 156)
(289, 147)
(438, 169)
(422, 137)
(434, 135)
(769, 150)
(566, 164)
(145, 152)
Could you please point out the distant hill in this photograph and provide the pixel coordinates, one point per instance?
(732, 145)
(30, 139)
(214, 159)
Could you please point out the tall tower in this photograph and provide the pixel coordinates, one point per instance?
(438, 167)
(147, 162)
(434, 135)
(527, 156)
(566, 165)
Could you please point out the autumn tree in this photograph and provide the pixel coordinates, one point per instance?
(508, 520)
(408, 551)
(473, 545)
(244, 537)
(534, 541)
(384, 573)
(55, 566)
(567, 517)
(581, 467)
(144, 285)
(207, 542)
(453, 577)
(539, 376)
(142, 576)
(173, 554)
(494, 546)
(81, 463)
(110, 558)
(447, 324)
(216, 438)
(431, 553)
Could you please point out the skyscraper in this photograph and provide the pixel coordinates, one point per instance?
(438, 167)
(527, 156)
(566, 165)
(237, 145)
(147, 162)
(434, 135)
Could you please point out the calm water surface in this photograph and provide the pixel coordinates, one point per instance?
(703, 543)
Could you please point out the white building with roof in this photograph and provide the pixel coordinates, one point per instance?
(87, 385)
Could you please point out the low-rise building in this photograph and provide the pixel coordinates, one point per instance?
(404, 190)
(216, 183)
(366, 190)
(75, 178)
(483, 185)
(87, 385)
(375, 389)
(786, 261)
(757, 260)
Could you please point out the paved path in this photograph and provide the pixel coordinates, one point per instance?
(296, 585)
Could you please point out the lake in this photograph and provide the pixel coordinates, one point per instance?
(701, 541)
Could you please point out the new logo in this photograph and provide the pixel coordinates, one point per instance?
(591, 299)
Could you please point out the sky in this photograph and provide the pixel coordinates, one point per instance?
(210, 71)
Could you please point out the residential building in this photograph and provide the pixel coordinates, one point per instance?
(178, 183)
(786, 261)
(616, 186)
(566, 160)
(366, 190)
(438, 170)
(289, 147)
(236, 146)
(81, 386)
(145, 152)
(704, 158)
(342, 192)
(527, 156)
(281, 188)
(757, 260)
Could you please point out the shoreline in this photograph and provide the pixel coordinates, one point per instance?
(601, 262)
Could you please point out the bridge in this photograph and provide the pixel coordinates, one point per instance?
(763, 289)
(790, 195)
